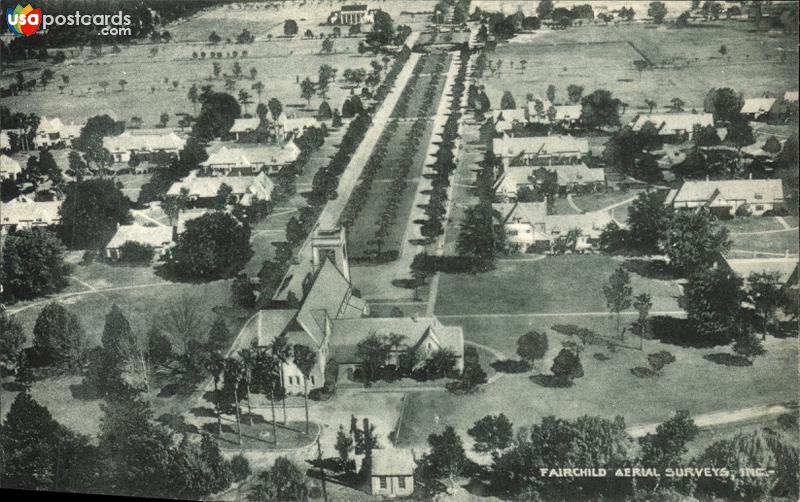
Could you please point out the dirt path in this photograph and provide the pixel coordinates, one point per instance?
(720, 418)
(91, 292)
(557, 314)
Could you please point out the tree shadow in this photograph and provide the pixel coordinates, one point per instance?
(213, 429)
(202, 411)
(726, 359)
(13, 386)
(84, 392)
(404, 283)
(551, 381)
(511, 366)
(257, 419)
(650, 268)
(177, 423)
(643, 372)
(675, 331)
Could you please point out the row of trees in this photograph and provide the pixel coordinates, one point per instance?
(522, 460)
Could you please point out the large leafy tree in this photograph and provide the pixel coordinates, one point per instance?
(40, 454)
(446, 459)
(373, 352)
(766, 295)
(567, 366)
(666, 447)
(91, 212)
(59, 338)
(478, 237)
(618, 293)
(33, 264)
(600, 109)
(90, 141)
(382, 29)
(215, 245)
(12, 338)
(284, 481)
(304, 358)
(492, 433)
(216, 117)
(724, 103)
(713, 303)
(532, 346)
(658, 11)
(694, 241)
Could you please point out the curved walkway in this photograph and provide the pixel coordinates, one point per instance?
(720, 418)
(764, 232)
(90, 292)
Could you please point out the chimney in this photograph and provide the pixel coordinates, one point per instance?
(750, 176)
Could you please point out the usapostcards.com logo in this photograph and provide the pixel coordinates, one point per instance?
(25, 21)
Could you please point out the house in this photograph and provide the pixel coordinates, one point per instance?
(269, 158)
(241, 128)
(158, 237)
(330, 319)
(570, 177)
(144, 143)
(504, 120)
(9, 168)
(285, 128)
(392, 472)
(25, 213)
(244, 189)
(352, 14)
(673, 127)
(790, 96)
(755, 108)
(540, 150)
(725, 197)
(527, 225)
(52, 132)
(785, 267)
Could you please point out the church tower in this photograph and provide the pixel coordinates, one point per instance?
(331, 243)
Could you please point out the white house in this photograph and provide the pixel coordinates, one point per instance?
(24, 213)
(568, 176)
(352, 14)
(251, 160)
(51, 132)
(158, 237)
(392, 472)
(527, 224)
(540, 150)
(755, 108)
(673, 126)
(724, 197)
(791, 96)
(144, 143)
(285, 128)
(244, 126)
(9, 168)
(244, 189)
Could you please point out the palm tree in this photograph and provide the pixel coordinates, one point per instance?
(267, 369)
(248, 364)
(193, 96)
(104, 84)
(282, 352)
(259, 88)
(305, 359)
(234, 370)
(122, 83)
(650, 104)
(244, 99)
(215, 365)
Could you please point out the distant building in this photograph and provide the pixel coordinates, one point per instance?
(570, 178)
(144, 143)
(790, 96)
(23, 213)
(9, 168)
(540, 150)
(245, 189)
(673, 127)
(755, 108)
(527, 225)
(5, 141)
(285, 128)
(243, 127)
(268, 158)
(725, 197)
(52, 132)
(785, 268)
(392, 472)
(352, 14)
(158, 237)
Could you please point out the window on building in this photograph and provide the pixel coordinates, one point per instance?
(291, 380)
(759, 207)
(759, 196)
(382, 481)
(312, 379)
(401, 481)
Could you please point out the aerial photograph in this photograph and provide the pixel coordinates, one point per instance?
(428, 250)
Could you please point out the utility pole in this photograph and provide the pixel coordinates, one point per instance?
(321, 468)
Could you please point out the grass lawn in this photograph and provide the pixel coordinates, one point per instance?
(608, 387)
(751, 224)
(778, 242)
(557, 284)
(601, 200)
(259, 436)
(601, 57)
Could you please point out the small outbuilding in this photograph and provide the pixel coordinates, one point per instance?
(392, 472)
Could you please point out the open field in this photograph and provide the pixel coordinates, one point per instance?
(602, 57)
(751, 224)
(556, 284)
(608, 387)
(778, 242)
(601, 200)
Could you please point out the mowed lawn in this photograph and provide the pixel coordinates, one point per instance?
(777, 242)
(602, 57)
(556, 284)
(608, 388)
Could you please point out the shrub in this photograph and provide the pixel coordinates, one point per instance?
(136, 253)
(659, 360)
(511, 366)
(240, 467)
(567, 366)
(743, 210)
